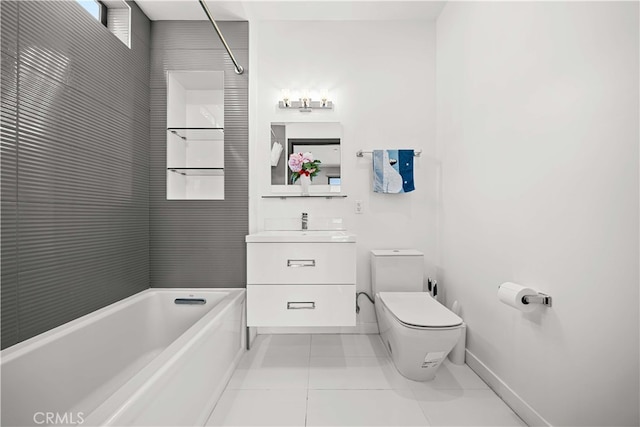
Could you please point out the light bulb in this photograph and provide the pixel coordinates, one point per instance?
(286, 98)
(324, 97)
(306, 99)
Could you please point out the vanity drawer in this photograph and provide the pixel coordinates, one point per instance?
(301, 305)
(301, 263)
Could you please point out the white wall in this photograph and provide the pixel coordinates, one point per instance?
(381, 77)
(538, 137)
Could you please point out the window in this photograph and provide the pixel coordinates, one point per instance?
(113, 14)
(96, 9)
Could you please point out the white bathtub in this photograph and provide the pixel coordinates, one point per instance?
(143, 361)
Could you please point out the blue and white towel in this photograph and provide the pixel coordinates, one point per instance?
(393, 171)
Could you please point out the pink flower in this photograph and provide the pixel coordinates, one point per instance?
(295, 162)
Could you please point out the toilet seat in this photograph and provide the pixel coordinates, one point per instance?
(419, 310)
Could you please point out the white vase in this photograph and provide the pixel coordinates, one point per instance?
(305, 181)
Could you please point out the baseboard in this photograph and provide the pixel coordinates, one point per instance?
(362, 328)
(510, 397)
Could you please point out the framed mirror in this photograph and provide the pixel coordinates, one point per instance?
(322, 140)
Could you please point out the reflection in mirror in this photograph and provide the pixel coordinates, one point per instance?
(322, 140)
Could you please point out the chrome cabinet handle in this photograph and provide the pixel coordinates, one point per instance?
(295, 305)
(301, 263)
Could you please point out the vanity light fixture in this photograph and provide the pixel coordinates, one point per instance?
(305, 103)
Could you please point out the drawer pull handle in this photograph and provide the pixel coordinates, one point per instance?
(301, 263)
(301, 305)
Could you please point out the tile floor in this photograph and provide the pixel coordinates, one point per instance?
(348, 380)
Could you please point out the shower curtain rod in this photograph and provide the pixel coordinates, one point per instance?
(239, 69)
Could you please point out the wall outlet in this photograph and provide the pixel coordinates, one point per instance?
(359, 206)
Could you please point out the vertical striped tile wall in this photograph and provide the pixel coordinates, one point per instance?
(200, 243)
(75, 164)
(8, 172)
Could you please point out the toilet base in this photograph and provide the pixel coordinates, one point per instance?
(416, 353)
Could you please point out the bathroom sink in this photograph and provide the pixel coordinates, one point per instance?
(309, 236)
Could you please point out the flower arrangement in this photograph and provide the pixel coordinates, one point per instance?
(303, 164)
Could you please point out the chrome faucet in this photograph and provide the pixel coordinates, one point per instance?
(305, 220)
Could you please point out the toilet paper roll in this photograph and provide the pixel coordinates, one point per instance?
(512, 293)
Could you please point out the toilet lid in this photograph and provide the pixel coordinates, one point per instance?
(419, 309)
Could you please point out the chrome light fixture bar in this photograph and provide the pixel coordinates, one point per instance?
(305, 104)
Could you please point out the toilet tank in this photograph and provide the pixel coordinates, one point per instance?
(396, 270)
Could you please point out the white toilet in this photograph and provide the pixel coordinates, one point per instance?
(417, 330)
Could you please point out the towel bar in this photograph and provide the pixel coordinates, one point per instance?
(361, 153)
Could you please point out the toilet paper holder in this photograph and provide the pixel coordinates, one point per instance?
(541, 298)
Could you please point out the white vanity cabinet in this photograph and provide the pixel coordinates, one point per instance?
(294, 282)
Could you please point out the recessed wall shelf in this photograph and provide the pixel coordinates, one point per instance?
(198, 134)
(195, 135)
(293, 195)
(198, 171)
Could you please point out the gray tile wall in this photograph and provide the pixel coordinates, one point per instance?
(200, 243)
(75, 164)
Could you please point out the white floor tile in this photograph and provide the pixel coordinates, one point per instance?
(349, 380)
(451, 376)
(283, 373)
(356, 373)
(271, 349)
(363, 408)
(274, 362)
(347, 346)
(260, 408)
(466, 408)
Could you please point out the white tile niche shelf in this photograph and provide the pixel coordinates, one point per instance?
(195, 135)
(196, 150)
(198, 171)
(199, 134)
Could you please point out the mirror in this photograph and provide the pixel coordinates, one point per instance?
(322, 140)
(195, 135)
